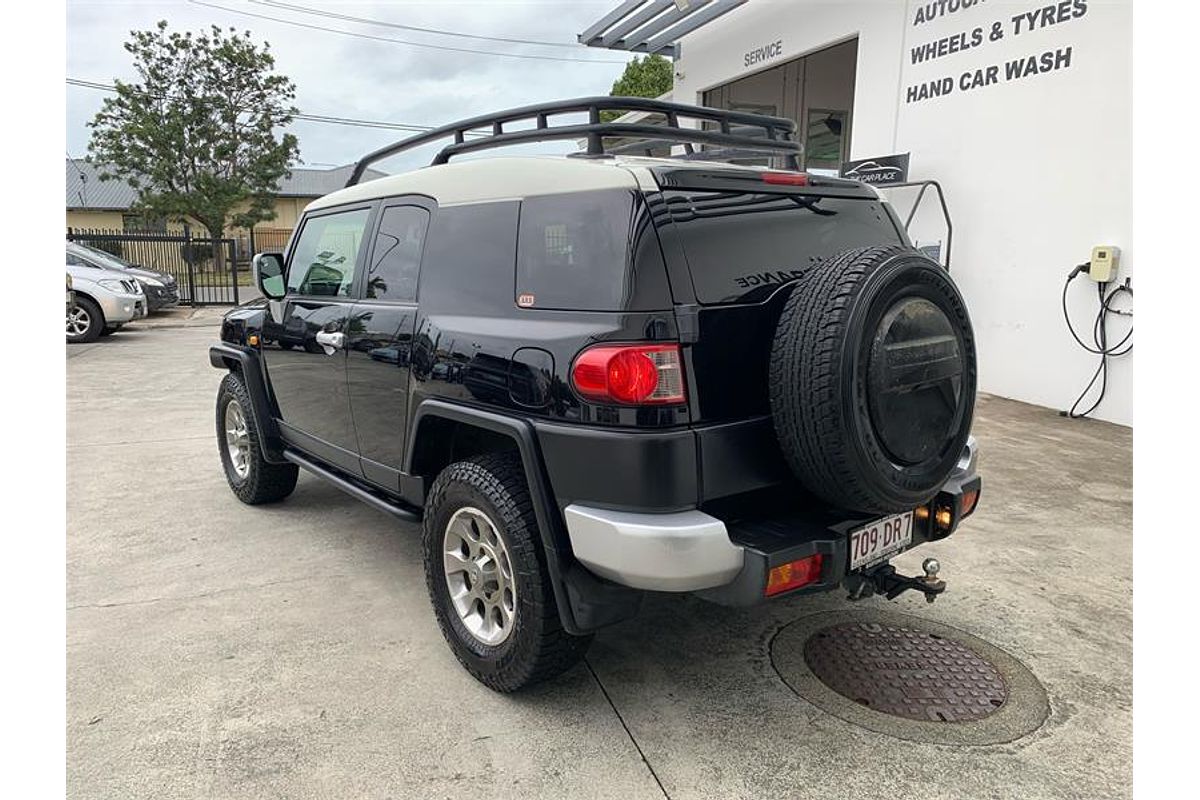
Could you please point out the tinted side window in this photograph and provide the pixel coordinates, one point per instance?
(325, 254)
(396, 259)
(573, 251)
(741, 246)
(468, 261)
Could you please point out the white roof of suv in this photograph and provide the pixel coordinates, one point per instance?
(489, 179)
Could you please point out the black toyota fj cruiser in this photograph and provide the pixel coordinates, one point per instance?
(596, 376)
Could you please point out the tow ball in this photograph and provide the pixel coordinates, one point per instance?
(886, 581)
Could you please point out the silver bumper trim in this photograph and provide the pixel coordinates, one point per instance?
(969, 460)
(678, 552)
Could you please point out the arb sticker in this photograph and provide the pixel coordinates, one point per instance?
(525, 300)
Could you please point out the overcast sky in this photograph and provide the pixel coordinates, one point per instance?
(351, 77)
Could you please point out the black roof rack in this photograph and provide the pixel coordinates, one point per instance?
(770, 134)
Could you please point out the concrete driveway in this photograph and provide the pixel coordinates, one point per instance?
(217, 650)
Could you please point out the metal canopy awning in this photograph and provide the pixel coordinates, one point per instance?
(653, 26)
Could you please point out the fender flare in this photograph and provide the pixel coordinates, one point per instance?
(248, 362)
(553, 532)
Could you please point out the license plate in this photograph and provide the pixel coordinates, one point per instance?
(876, 541)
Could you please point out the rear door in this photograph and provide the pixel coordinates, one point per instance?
(304, 340)
(380, 334)
(741, 246)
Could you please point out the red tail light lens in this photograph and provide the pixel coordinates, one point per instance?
(786, 178)
(630, 374)
(794, 574)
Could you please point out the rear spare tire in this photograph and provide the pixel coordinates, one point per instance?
(873, 379)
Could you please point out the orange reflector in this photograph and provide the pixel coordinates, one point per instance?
(921, 513)
(969, 500)
(943, 517)
(794, 574)
(252, 339)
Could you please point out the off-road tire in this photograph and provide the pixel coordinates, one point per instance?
(823, 400)
(537, 648)
(96, 326)
(265, 482)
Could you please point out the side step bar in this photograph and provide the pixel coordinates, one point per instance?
(354, 489)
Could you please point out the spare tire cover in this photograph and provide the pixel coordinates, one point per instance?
(873, 378)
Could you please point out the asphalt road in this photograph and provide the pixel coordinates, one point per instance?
(221, 651)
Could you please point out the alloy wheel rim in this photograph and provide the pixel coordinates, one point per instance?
(237, 438)
(479, 576)
(78, 321)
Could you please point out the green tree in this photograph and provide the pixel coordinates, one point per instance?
(651, 76)
(195, 134)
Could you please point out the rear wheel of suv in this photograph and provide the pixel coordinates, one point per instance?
(873, 379)
(251, 477)
(85, 321)
(487, 577)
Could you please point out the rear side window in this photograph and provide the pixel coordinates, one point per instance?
(573, 251)
(467, 267)
(396, 259)
(741, 246)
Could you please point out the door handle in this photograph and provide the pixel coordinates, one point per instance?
(331, 342)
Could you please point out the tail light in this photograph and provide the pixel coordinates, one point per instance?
(786, 178)
(794, 574)
(630, 374)
(969, 501)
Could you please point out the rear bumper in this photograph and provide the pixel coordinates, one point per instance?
(677, 552)
(660, 471)
(690, 551)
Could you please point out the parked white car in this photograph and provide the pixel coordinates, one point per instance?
(105, 299)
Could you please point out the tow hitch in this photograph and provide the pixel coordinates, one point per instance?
(884, 580)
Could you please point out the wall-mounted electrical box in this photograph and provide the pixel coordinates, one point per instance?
(1104, 264)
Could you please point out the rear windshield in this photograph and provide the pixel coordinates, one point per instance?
(741, 246)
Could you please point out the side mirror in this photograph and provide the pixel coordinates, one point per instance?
(268, 274)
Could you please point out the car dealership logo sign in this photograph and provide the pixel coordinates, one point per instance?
(880, 170)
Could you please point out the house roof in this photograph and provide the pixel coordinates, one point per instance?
(85, 190)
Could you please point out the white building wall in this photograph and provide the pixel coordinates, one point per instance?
(1036, 169)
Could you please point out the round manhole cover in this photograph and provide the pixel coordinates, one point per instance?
(903, 671)
(909, 677)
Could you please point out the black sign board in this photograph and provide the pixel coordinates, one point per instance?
(880, 170)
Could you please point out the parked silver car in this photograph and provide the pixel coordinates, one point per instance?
(159, 287)
(105, 299)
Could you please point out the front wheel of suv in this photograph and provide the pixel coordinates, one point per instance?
(251, 477)
(487, 578)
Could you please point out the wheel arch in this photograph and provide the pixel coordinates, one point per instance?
(444, 432)
(247, 364)
(439, 440)
(84, 295)
(436, 424)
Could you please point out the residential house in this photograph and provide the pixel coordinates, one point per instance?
(95, 204)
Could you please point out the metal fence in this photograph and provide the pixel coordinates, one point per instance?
(205, 269)
(266, 240)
